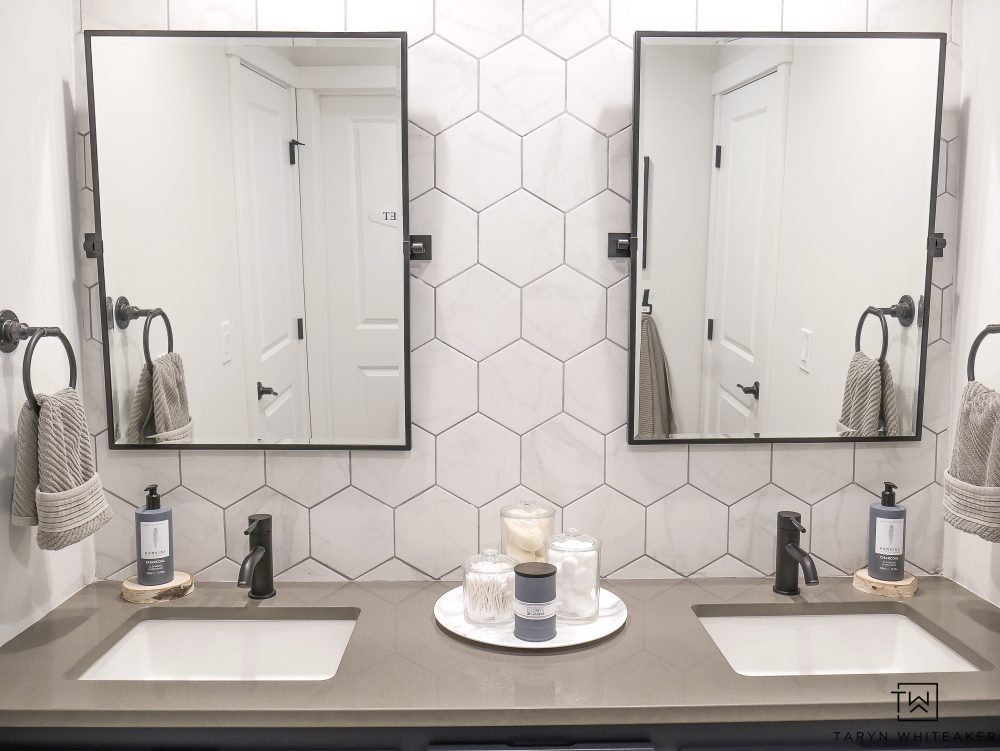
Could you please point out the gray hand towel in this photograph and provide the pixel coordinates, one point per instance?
(869, 398)
(160, 412)
(972, 481)
(655, 417)
(56, 486)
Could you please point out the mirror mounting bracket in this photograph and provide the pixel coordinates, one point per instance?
(620, 245)
(420, 247)
(92, 245)
(936, 243)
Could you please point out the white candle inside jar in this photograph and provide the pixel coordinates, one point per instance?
(577, 558)
(524, 528)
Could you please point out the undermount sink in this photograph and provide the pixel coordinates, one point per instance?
(211, 644)
(845, 643)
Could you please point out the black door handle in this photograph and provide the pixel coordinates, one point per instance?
(262, 389)
(754, 390)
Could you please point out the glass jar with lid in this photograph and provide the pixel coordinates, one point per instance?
(577, 558)
(488, 587)
(524, 527)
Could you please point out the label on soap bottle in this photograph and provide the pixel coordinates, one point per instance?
(534, 611)
(154, 539)
(889, 536)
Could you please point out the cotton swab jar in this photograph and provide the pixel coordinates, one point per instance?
(524, 527)
(577, 558)
(488, 588)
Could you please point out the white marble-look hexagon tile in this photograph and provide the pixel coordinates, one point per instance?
(598, 86)
(562, 459)
(587, 229)
(597, 385)
(478, 312)
(394, 571)
(290, 527)
(520, 386)
(396, 476)
(222, 477)
(644, 473)
(564, 313)
(478, 27)
(840, 528)
(415, 17)
(127, 473)
(934, 316)
(687, 530)
(521, 85)
(308, 476)
(925, 528)
(942, 458)
(946, 221)
(310, 570)
(351, 532)
(953, 173)
(124, 14)
(421, 313)
(442, 84)
(643, 568)
(420, 156)
(753, 526)
(726, 567)
(299, 15)
(566, 26)
(454, 229)
(443, 383)
(489, 515)
(618, 313)
(198, 530)
(96, 332)
(114, 543)
(85, 219)
(745, 15)
(824, 15)
(478, 460)
(521, 237)
(909, 15)
(565, 162)
(478, 162)
(948, 313)
(616, 520)
(942, 166)
(812, 471)
(729, 473)
(937, 390)
(216, 15)
(629, 16)
(435, 531)
(223, 570)
(909, 464)
(620, 163)
(93, 388)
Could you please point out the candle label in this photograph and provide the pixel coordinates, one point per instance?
(534, 611)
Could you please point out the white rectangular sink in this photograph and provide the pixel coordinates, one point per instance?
(222, 649)
(840, 644)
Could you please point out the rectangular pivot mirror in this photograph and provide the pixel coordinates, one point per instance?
(783, 219)
(251, 208)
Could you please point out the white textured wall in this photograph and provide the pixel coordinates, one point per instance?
(519, 167)
(968, 559)
(41, 280)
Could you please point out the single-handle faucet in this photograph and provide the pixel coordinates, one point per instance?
(789, 556)
(257, 570)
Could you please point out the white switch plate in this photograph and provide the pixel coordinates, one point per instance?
(805, 349)
(227, 350)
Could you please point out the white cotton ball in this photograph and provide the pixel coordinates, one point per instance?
(527, 534)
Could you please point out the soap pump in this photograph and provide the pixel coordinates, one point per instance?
(154, 541)
(886, 537)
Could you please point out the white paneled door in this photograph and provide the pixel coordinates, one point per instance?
(743, 254)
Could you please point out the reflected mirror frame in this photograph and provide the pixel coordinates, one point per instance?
(407, 443)
(630, 429)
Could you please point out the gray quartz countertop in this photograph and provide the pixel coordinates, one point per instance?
(400, 670)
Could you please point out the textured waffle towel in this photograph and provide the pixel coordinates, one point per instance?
(868, 395)
(56, 486)
(655, 416)
(972, 481)
(160, 411)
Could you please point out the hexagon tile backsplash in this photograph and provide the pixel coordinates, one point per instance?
(519, 166)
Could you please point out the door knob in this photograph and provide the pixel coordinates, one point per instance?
(262, 389)
(754, 390)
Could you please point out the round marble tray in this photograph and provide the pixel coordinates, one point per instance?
(450, 614)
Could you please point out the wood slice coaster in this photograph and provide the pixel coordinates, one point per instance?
(180, 585)
(905, 587)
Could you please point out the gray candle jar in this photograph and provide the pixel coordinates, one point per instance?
(535, 601)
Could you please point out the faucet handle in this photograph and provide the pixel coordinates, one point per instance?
(258, 523)
(789, 520)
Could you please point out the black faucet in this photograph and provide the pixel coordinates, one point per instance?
(789, 556)
(257, 571)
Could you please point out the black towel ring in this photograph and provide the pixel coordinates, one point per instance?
(970, 370)
(885, 331)
(13, 332)
(145, 334)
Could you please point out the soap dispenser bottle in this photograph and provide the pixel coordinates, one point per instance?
(886, 537)
(154, 541)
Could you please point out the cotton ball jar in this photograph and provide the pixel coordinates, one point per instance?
(524, 528)
(577, 558)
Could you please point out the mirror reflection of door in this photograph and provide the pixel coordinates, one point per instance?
(743, 253)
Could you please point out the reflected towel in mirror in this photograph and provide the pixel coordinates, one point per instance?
(160, 412)
(972, 481)
(869, 399)
(655, 417)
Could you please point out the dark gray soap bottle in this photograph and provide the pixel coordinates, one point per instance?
(886, 537)
(154, 541)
